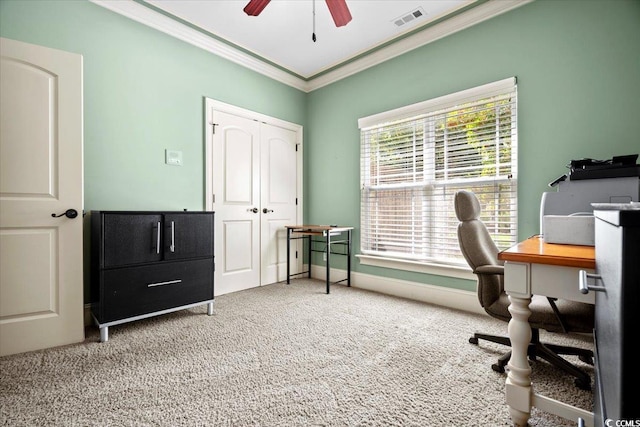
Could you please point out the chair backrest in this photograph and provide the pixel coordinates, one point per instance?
(477, 246)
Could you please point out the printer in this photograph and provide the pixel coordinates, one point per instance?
(566, 215)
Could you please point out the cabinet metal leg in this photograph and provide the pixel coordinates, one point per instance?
(210, 309)
(104, 334)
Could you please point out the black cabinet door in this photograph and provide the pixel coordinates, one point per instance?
(131, 239)
(188, 235)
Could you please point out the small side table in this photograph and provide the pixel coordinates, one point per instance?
(327, 232)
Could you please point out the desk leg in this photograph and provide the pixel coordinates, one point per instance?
(309, 256)
(288, 255)
(328, 249)
(518, 386)
(349, 258)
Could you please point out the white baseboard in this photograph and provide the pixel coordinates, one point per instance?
(439, 295)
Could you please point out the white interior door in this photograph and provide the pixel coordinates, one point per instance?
(253, 185)
(41, 292)
(236, 201)
(278, 194)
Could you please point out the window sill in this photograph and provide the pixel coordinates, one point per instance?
(459, 272)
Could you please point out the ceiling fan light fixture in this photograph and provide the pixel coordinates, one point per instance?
(339, 12)
(254, 7)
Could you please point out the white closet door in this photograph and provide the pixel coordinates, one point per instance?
(41, 293)
(278, 192)
(236, 201)
(253, 185)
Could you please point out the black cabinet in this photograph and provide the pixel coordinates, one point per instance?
(617, 302)
(148, 263)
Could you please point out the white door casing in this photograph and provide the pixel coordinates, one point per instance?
(253, 183)
(41, 290)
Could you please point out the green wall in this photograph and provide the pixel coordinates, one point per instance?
(576, 62)
(143, 93)
(577, 65)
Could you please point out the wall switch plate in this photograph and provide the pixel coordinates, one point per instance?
(173, 157)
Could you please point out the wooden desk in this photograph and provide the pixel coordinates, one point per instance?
(533, 267)
(327, 232)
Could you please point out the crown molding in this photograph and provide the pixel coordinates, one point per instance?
(146, 16)
(160, 22)
(480, 13)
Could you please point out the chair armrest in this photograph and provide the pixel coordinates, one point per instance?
(489, 269)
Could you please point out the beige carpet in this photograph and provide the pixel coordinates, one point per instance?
(280, 355)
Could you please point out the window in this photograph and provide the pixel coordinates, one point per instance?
(415, 158)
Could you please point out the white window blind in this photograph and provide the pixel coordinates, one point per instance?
(415, 158)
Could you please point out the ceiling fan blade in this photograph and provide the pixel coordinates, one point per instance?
(339, 12)
(254, 7)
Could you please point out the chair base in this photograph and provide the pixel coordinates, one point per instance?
(549, 352)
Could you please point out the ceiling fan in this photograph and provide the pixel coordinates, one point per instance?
(338, 8)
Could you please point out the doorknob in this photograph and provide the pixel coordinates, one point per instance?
(265, 210)
(69, 213)
(254, 210)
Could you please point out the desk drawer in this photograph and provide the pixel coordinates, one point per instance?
(129, 292)
(559, 282)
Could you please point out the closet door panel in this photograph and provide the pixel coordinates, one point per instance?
(278, 199)
(236, 189)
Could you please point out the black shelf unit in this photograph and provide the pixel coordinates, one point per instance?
(147, 263)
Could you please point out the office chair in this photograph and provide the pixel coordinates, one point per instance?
(553, 315)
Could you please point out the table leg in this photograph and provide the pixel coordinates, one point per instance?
(310, 241)
(518, 385)
(328, 249)
(288, 255)
(349, 258)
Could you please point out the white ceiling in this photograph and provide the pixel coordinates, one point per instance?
(282, 33)
(278, 42)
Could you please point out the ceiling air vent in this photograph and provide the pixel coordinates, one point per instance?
(405, 19)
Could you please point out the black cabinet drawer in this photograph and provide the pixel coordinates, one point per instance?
(134, 291)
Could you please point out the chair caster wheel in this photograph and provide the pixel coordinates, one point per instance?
(498, 368)
(473, 340)
(586, 359)
(583, 384)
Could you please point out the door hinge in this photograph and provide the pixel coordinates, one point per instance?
(296, 201)
(213, 198)
(297, 147)
(213, 127)
(296, 254)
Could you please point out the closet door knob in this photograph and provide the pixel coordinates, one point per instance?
(254, 210)
(265, 210)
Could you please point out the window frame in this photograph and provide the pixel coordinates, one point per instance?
(415, 111)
